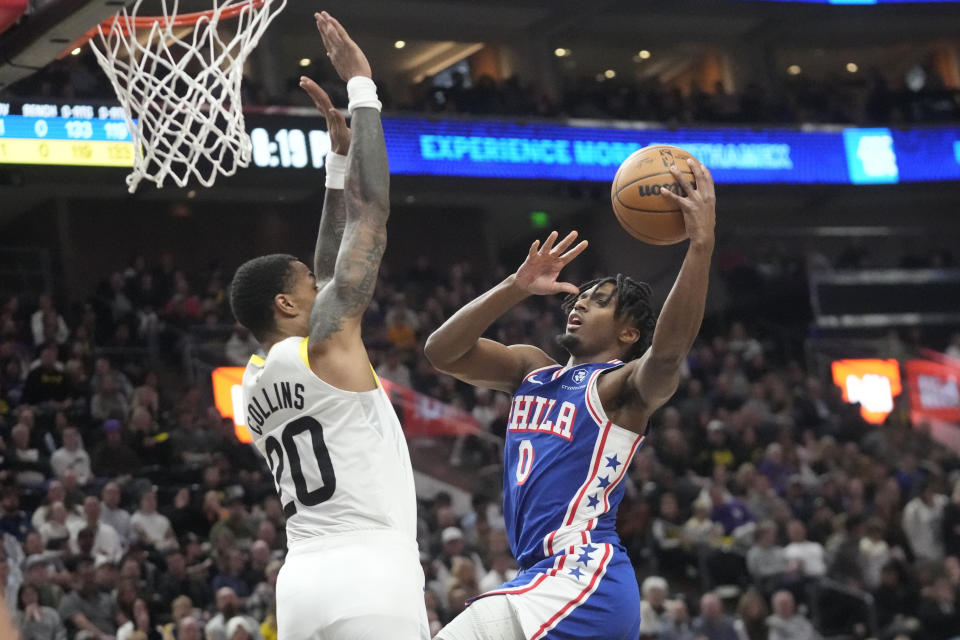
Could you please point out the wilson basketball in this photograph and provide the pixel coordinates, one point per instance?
(640, 207)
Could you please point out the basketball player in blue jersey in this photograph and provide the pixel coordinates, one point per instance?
(573, 429)
(314, 406)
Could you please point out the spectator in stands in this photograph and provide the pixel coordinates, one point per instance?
(181, 607)
(189, 628)
(751, 621)
(10, 582)
(103, 369)
(140, 623)
(177, 581)
(55, 493)
(54, 530)
(108, 402)
(653, 609)
(112, 513)
(236, 521)
(232, 574)
(938, 610)
(13, 520)
(151, 527)
(670, 545)
(402, 324)
(240, 346)
(875, 553)
(106, 542)
(394, 370)
(36, 621)
(805, 559)
(46, 385)
(112, 457)
(951, 523)
(47, 313)
(39, 572)
(90, 613)
(72, 456)
(923, 522)
(28, 465)
(765, 559)
(677, 624)
(786, 623)
(228, 606)
(712, 623)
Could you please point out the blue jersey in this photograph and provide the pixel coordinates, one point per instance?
(564, 463)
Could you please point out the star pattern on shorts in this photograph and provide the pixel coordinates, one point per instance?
(604, 482)
(613, 462)
(593, 501)
(575, 572)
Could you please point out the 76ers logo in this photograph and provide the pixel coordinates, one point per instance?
(579, 376)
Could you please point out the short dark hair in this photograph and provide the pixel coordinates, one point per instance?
(254, 286)
(633, 301)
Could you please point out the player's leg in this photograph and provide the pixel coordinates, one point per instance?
(490, 618)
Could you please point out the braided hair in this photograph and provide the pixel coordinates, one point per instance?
(633, 301)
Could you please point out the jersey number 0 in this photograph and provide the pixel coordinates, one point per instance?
(304, 496)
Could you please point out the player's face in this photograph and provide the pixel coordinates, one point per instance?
(303, 292)
(591, 326)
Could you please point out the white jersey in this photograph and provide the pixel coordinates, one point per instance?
(339, 458)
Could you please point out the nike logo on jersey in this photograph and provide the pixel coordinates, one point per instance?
(536, 413)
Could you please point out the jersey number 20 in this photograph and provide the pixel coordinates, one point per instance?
(307, 498)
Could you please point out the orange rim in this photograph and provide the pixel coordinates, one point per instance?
(139, 22)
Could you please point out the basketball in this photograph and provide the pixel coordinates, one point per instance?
(636, 194)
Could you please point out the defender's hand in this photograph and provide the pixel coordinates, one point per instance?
(336, 123)
(538, 273)
(699, 207)
(346, 56)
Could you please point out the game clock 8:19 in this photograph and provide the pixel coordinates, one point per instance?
(289, 148)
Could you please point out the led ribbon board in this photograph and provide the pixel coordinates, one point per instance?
(553, 151)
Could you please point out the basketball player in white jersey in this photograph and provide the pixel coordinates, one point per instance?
(314, 406)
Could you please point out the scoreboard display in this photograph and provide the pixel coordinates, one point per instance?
(72, 135)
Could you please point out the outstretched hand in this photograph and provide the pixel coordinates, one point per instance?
(336, 123)
(538, 273)
(699, 207)
(345, 55)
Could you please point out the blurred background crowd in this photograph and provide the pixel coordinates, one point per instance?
(762, 505)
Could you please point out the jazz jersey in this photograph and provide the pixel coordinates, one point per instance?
(564, 463)
(339, 458)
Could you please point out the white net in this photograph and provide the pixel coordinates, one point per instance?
(180, 86)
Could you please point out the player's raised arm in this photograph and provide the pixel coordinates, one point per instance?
(334, 218)
(341, 302)
(656, 375)
(457, 347)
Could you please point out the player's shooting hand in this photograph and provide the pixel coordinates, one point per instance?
(346, 56)
(336, 123)
(538, 273)
(699, 206)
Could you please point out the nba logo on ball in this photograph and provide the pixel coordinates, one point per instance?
(666, 155)
(579, 375)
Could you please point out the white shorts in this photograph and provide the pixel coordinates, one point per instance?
(365, 585)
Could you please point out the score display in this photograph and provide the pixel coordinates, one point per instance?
(81, 135)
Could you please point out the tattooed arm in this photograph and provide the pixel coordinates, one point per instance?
(334, 218)
(335, 349)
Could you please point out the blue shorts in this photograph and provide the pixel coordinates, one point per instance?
(588, 593)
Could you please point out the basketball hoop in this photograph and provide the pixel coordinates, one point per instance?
(181, 92)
